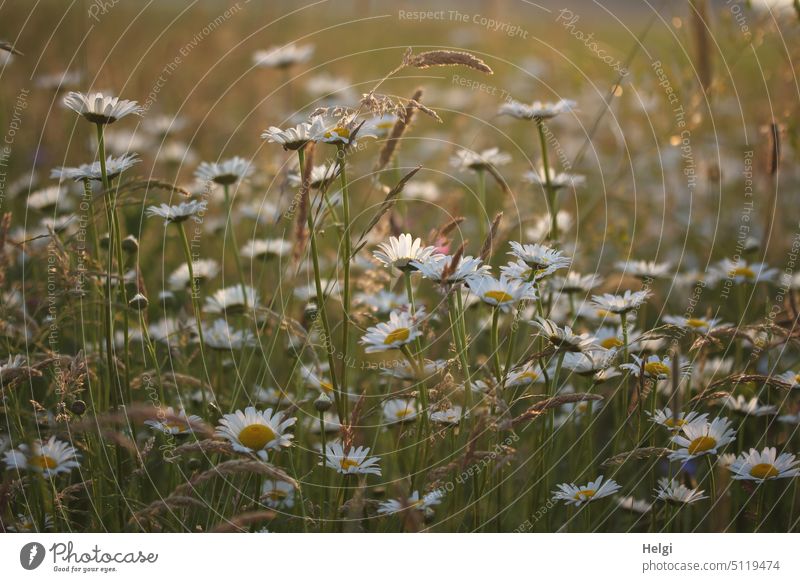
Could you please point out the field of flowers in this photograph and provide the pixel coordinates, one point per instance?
(361, 267)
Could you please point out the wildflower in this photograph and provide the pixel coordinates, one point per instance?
(256, 432)
(575, 283)
(353, 462)
(283, 57)
(46, 199)
(652, 367)
(101, 109)
(202, 269)
(265, 249)
(93, 171)
(469, 160)
(220, 336)
(383, 301)
(296, 137)
(343, 132)
(424, 504)
(563, 339)
(557, 180)
(537, 111)
(403, 370)
(751, 407)
(645, 269)
(572, 494)
(321, 176)
(595, 363)
(695, 324)
(171, 422)
(619, 304)
(789, 377)
(234, 299)
(630, 503)
(702, 438)
(541, 258)
(439, 268)
(49, 458)
(277, 494)
(401, 329)
(764, 466)
(450, 415)
(401, 252)
(530, 373)
(399, 410)
(674, 421)
(670, 491)
(501, 293)
(224, 173)
(179, 213)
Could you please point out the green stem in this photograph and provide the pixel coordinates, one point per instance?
(347, 252)
(548, 184)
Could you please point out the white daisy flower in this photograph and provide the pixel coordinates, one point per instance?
(265, 249)
(321, 177)
(702, 438)
(557, 180)
(49, 458)
(399, 410)
(790, 418)
(59, 81)
(93, 171)
(256, 432)
(282, 57)
(790, 377)
(168, 421)
(576, 495)
(316, 380)
(674, 420)
(540, 257)
(101, 109)
(537, 110)
(502, 293)
(353, 462)
(470, 160)
(630, 503)
(401, 252)
(179, 213)
(382, 301)
(695, 324)
(628, 301)
(402, 370)
(541, 225)
(330, 422)
(414, 502)
(344, 132)
(751, 407)
(296, 137)
(438, 268)
(670, 491)
(574, 282)
(591, 362)
(764, 466)
(233, 299)
(224, 173)
(563, 339)
(270, 395)
(277, 494)
(48, 199)
(401, 329)
(652, 367)
(381, 125)
(450, 415)
(202, 269)
(164, 125)
(525, 375)
(220, 336)
(741, 272)
(645, 269)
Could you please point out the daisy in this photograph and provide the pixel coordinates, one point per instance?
(234, 299)
(321, 176)
(450, 415)
(271, 395)
(790, 418)
(202, 269)
(170, 422)
(296, 137)
(400, 252)
(790, 377)
(652, 367)
(575, 283)
(525, 375)
(220, 336)
(93, 171)
(609, 338)
(540, 229)
(619, 304)
(100, 109)
(674, 421)
(224, 173)
(256, 432)
(439, 268)
(630, 503)
(47, 199)
(414, 502)
(164, 125)
(316, 380)
(540, 257)
(594, 363)
(695, 324)
(283, 57)
(501, 293)
(764, 466)
(557, 180)
(702, 438)
(277, 494)
(403, 370)
(383, 301)
(401, 329)
(742, 272)
(59, 81)
(399, 410)
(645, 269)
(343, 132)
(563, 340)
(353, 462)
(469, 160)
(670, 491)
(751, 407)
(537, 110)
(572, 494)
(49, 458)
(180, 213)
(329, 420)
(266, 249)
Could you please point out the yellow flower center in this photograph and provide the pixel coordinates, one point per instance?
(348, 463)
(656, 369)
(43, 462)
(175, 425)
(256, 436)
(276, 495)
(744, 272)
(764, 471)
(401, 334)
(530, 375)
(498, 296)
(403, 413)
(603, 313)
(326, 386)
(797, 378)
(674, 422)
(702, 444)
(611, 342)
(585, 494)
(696, 323)
(340, 132)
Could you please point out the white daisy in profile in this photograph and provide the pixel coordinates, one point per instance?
(343, 131)
(645, 269)
(591, 363)
(321, 177)
(525, 375)
(791, 378)
(628, 301)
(631, 503)
(233, 299)
(537, 110)
(439, 268)
(674, 420)
(93, 171)
(471, 160)
(266, 249)
(741, 272)
(653, 367)
(702, 438)
(270, 395)
(790, 418)
(178, 213)
(401, 329)
(163, 125)
(316, 380)
(49, 458)
(540, 257)
(277, 494)
(748, 407)
(563, 339)
(282, 57)
(541, 225)
(101, 109)
(381, 125)
(355, 461)
(221, 336)
(558, 180)
(573, 283)
(382, 301)
(402, 370)
(451, 415)
(202, 269)
(670, 491)
(399, 410)
(59, 81)
(256, 432)
(572, 494)
(424, 504)
(694, 324)
(400, 252)
(502, 293)
(168, 421)
(224, 173)
(296, 137)
(422, 190)
(47, 199)
(764, 466)
(610, 337)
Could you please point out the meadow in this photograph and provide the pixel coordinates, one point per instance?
(356, 266)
